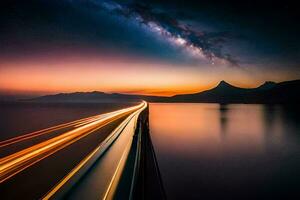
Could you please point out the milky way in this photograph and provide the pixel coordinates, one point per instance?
(198, 44)
(150, 46)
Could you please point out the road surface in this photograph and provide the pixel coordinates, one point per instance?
(31, 165)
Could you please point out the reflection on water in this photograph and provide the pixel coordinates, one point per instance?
(227, 151)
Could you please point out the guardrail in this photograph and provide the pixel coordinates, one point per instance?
(141, 177)
(136, 168)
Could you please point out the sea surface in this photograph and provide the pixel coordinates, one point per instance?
(236, 151)
(18, 118)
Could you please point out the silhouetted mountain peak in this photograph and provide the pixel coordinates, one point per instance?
(224, 84)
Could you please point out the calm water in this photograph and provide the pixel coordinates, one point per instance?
(212, 151)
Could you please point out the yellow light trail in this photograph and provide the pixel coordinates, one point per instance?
(17, 162)
(101, 148)
(48, 130)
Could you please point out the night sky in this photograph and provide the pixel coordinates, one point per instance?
(147, 47)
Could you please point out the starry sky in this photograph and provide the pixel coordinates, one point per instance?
(145, 47)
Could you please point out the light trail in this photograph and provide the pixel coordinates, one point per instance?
(76, 123)
(128, 126)
(17, 162)
(47, 130)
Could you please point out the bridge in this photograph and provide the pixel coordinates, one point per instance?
(107, 156)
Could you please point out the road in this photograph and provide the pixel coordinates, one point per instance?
(101, 181)
(32, 164)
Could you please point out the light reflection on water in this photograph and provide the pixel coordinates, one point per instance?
(227, 151)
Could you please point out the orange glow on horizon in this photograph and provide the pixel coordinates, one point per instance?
(94, 75)
(108, 74)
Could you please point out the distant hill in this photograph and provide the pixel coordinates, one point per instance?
(269, 92)
(94, 97)
(87, 97)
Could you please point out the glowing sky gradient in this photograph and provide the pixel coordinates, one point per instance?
(140, 48)
(116, 75)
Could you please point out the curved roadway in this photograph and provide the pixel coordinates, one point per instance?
(32, 166)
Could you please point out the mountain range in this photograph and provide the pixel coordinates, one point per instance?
(269, 93)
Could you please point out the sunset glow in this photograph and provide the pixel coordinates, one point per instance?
(47, 76)
(149, 99)
(126, 48)
(95, 75)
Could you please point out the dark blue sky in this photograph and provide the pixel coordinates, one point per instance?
(251, 38)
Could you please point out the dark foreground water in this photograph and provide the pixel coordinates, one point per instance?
(212, 151)
(24, 117)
